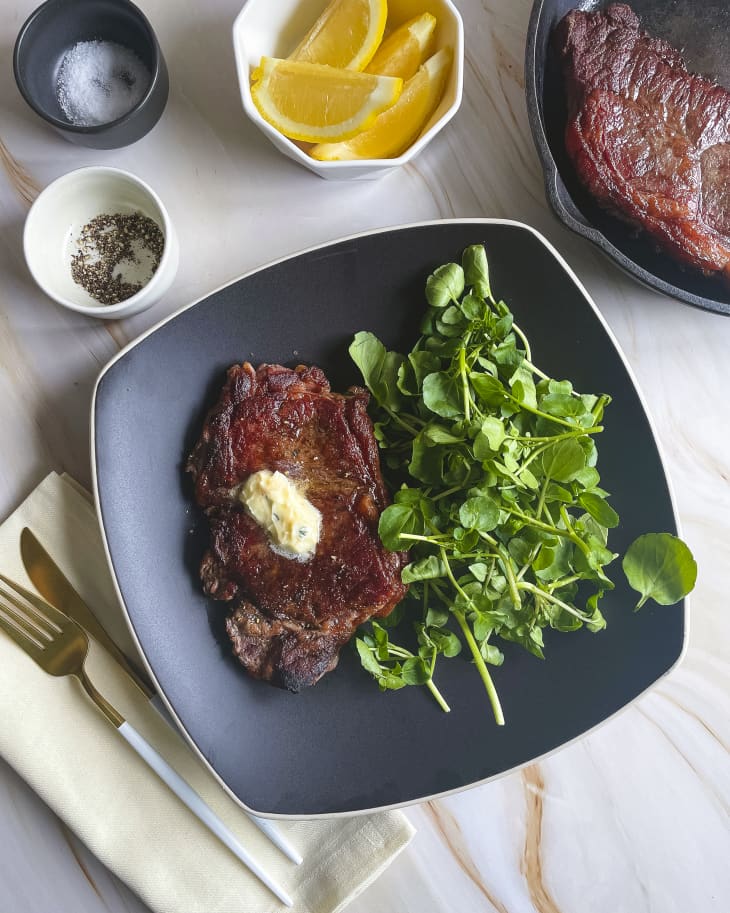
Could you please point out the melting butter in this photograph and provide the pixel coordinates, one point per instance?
(292, 523)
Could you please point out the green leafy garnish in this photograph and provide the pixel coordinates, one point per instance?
(497, 495)
(660, 567)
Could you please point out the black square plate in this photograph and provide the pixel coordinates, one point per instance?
(342, 746)
(698, 28)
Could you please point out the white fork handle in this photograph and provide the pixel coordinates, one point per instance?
(189, 797)
(264, 825)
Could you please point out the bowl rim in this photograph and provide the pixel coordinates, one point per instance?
(571, 277)
(272, 133)
(68, 126)
(134, 301)
(552, 177)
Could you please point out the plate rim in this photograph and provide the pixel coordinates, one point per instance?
(276, 816)
(551, 175)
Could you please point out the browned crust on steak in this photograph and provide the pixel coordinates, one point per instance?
(650, 141)
(289, 618)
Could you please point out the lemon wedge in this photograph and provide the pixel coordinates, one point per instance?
(310, 102)
(398, 127)
(405, 49)
(346, 35)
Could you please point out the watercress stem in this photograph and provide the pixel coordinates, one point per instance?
(464, 384)
(531, 588)
(402, 422)
(482, 667)
(438, 696)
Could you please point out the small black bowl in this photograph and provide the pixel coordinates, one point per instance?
(53, 29)
(699, 28)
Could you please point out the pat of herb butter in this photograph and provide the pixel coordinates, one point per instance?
(291, 522)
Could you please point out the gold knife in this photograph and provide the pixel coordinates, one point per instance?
(49, 580)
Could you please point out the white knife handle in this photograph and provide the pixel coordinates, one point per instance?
(192, 800)
(265, 826)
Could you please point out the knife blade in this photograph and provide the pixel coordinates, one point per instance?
(50, 581)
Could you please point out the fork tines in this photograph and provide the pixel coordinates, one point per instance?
(21, 612)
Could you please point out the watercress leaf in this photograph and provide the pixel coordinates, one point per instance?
(528, 479)
(560, 387)
(426, 569)
(446, 642)
(468, 542)
(427, 462)
(599, 509)
(489, 366)
(483, 624)
(520, 550)
(479, 513)
(564, 406)
(482, 448)
(423, 363)
(587, 477)
(397, 519)
(391, 681)
(437, 434)
(479, 570)
(523, 387)
(556, 492)
(476, 269)
(472, 307)
(368, 353)
(502, 328)
(489, 389)
(436, 617)
(414, 671)
(449, 330)
(445, 285)
(493, 430)
(553, 562)
(388, 385)
(661, 567)
(597, 621)
(563, 459)
(407, 495)
(491, 654)
(378, 367)
(441, 395)
(452, 316)
(407, 383)
(367, 659)
(507, 355)
(589, 528)
(530, 639)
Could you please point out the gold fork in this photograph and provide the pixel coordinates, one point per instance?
(59, 646)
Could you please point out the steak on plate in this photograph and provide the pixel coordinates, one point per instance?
(289, 618)
(648, 139)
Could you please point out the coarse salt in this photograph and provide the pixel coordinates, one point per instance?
(100, 81)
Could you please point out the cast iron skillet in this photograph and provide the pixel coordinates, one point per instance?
(701, 30)
(342, 746)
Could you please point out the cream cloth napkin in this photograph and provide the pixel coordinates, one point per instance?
(75, 760)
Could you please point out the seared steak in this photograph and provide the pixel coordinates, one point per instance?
(650, 141)
(290, 617)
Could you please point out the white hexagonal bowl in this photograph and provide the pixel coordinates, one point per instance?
(273, 29)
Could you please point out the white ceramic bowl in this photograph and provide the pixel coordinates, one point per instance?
(271, 29)
(57, 217)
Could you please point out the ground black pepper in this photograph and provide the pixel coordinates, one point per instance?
(117, 255)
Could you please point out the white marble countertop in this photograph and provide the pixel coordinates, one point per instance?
(632, 818)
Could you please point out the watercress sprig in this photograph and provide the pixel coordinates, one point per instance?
(498, 494)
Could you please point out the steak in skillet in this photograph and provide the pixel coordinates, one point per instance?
(288, 617)
(650, 141)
